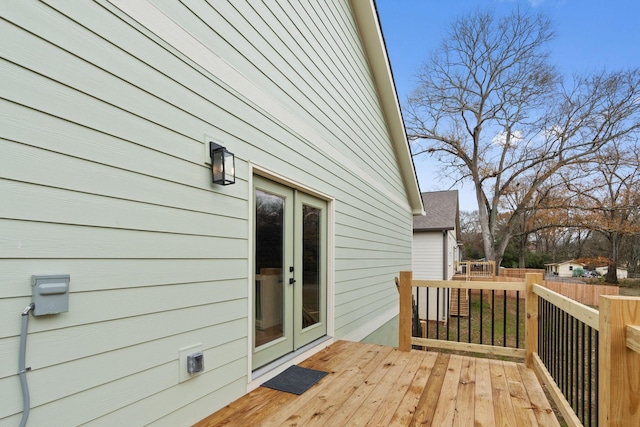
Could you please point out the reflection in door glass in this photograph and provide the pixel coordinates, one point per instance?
(269, 262)
(310, 266)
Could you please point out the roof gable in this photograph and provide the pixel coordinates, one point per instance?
(366, 16)
(441, 211)
(568, 262)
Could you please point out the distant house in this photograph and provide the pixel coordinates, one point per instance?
(563, 269)
(436, 245)
(108, 112)
(622, 273)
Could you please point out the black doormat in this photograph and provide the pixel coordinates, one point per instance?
(295, 380)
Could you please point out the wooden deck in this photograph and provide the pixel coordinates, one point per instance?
(372, 385)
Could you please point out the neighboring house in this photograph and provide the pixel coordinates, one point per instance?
(563, 269)
(436, 247)
(108, 108)
(621, 273)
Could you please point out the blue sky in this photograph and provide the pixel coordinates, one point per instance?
(590, 35)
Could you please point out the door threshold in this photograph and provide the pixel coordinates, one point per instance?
(284, 360)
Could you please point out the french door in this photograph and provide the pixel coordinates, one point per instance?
(290, 262)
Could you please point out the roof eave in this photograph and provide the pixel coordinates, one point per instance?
(435, 229)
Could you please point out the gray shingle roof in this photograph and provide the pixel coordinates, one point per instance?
(441, 209)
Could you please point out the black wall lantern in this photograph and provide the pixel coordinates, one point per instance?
(223, 165)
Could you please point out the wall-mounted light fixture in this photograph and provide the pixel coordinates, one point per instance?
(223, 164)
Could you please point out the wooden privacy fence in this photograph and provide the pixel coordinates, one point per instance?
(556, 349)
(583, 293)
(518, 273)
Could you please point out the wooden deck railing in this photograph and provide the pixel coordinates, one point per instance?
(559, 328)
(633, 338)
(565, 353)
(476, 269)
(406, 292)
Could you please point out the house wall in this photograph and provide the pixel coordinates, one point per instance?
(620, 272)
(428, 264)
(453, 254)
(566, 269)
(105, 107)
(428, 252)
(388, 334)
(427, 256)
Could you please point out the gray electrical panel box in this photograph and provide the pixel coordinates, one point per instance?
(50, 294)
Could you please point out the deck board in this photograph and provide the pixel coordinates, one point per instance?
(540, 405)
(429, 399)
(407, 406)
(484, 414)
(502, 404)
(339, 395)
(370, 385)
(366, 405)
(446, 405)
(399, 392)
(465, 403)
(519, 398)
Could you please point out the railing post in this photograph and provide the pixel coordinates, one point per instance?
(531, 325)
(404, 332)
(619, 370)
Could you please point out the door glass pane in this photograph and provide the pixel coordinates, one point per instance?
(269, 258)
(310, 265)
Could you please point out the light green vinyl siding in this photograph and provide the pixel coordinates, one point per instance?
(102, 176)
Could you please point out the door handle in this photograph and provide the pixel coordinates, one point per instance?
(292, 281)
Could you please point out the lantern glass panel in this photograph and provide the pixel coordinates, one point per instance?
(222, 165)
(229, 166)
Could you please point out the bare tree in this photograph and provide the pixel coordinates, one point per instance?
(469, 222)
(543, 212)
(610, 198)
(471, 234)
(495, 112)
(631, 252)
